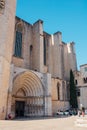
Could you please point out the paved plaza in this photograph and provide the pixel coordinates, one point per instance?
(63, 123)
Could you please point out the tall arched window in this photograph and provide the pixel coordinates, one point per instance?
(58, 91)
(31, 48)
(85, 80)
(18, 41)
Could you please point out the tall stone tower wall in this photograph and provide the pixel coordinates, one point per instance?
(37, 61)
(57, 55)
(72, 56)
(7, 21)
(66, 63)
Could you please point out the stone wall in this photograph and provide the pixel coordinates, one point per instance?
(56, 55)
(60, 106)
(7, 19)
(27, 41)
(62, 103)
(60, 58)
(81, 85)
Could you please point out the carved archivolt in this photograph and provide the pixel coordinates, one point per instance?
(2, 4)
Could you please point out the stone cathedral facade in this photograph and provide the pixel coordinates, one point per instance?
(34, 67)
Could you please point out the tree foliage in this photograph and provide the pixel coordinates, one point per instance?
(73, 95)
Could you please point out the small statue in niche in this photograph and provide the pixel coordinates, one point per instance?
(2, 4)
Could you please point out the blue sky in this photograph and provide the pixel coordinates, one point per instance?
(67, 16)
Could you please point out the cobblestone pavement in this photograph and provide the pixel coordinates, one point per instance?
(63, 123)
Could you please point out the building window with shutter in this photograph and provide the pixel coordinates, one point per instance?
(85, 80)
(76, 82)
(85, 69)
(78, 92)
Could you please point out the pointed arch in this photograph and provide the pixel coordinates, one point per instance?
(28, 88)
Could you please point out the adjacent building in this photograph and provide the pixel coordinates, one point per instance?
(81, 83)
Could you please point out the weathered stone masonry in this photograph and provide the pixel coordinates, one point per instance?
(34, 67)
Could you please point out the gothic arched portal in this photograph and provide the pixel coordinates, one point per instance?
(27, 95)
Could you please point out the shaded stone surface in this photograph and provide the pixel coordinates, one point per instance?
(64, 123)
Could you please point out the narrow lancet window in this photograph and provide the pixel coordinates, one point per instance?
(18, 41)
(58, 91)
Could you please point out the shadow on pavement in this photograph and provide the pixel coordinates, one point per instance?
(39, 118)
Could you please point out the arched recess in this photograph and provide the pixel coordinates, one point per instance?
(64, 90)
(27, 95)
(18, 42)
(58, 91)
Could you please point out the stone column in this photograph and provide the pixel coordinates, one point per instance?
(7, 22)
(47, 95)
(48, 105)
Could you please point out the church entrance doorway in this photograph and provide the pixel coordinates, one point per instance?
(19, 108)
(28, 96)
